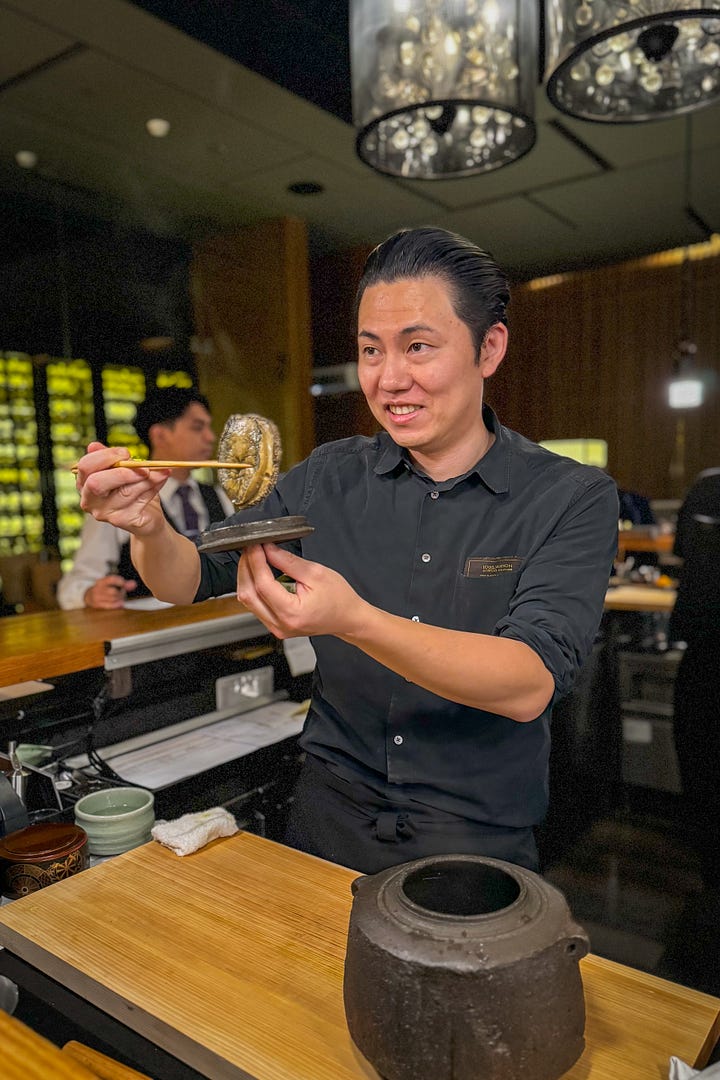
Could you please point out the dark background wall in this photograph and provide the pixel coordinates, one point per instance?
(72, 285)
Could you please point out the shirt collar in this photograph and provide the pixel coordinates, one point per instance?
(493, 468)
(170, 487)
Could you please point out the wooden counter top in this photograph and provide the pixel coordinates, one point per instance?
(232, 960)
(640, 598)
(51, 643)
(645, 539)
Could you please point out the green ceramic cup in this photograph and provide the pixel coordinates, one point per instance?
(116, 819)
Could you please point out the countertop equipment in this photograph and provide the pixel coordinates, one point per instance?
(13, 814)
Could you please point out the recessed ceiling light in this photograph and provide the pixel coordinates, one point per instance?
(305, 187)
(26, 159)
(157, 127)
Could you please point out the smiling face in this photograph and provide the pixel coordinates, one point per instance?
(417, 368)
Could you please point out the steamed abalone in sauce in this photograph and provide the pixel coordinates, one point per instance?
(255, 440)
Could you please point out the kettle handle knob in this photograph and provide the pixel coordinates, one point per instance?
(356, 883)
(577, 943)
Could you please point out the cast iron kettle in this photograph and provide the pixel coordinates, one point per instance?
(460, 967)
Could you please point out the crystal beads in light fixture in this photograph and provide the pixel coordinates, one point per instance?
(620, 61)
(443, 88)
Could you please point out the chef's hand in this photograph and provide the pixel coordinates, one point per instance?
(124, 497)
(322, 603)
(109, 592)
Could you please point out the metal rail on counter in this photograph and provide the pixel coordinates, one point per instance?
(53, 643)
(140, 648)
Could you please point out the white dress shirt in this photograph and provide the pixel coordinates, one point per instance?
(101, 543)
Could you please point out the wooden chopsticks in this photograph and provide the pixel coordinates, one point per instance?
(137, 463)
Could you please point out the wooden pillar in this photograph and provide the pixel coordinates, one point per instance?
(335, 279)
(251, 302)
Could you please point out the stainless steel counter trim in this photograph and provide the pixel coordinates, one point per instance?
(175, 640)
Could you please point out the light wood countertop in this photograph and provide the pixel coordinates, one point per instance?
(232, 960)
(640, 598)
(52, 643)
(647, 538)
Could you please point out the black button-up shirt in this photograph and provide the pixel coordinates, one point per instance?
(520, 546)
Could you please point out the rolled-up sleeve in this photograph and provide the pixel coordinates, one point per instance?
(558, 603)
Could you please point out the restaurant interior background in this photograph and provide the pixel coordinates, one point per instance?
(228, 251)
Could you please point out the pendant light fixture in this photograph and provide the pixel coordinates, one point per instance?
(443, 88)
(623, 61)
(686, 389)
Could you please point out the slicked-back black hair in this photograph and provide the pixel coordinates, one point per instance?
(479, 288)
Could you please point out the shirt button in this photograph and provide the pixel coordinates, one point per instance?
(426, 557)
(416, 618)
(398, 740)
(434, 494)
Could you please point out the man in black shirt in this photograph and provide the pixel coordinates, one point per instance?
(696, 716)
(452, 587)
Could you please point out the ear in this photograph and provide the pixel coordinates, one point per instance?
(156, 436)
(493, 349)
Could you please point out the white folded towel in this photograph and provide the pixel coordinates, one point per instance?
(192, 831)
(680, 1071)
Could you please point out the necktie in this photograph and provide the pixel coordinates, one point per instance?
(192, 521)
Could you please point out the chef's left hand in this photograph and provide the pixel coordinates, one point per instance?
(322, 603)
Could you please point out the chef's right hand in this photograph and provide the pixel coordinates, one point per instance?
(124, 497)
(109, 592)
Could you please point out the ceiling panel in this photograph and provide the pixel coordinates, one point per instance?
(586, 193)
(625, 145)
(93, 97)
(25, 44)
(522, 236)
(643, 205)
(552, 160)
(351, 210)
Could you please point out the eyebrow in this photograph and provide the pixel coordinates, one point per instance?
(414, 329)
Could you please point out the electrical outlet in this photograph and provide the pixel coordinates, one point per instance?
(243, 687)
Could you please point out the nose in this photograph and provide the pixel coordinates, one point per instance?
(395, 374)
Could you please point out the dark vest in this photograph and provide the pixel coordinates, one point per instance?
(125, 566)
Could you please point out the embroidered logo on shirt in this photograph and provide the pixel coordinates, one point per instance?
(493, 565)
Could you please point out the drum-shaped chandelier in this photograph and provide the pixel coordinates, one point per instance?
(446, 88)
(443, 88)
(631, 60)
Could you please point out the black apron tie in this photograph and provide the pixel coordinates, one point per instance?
(393, 826)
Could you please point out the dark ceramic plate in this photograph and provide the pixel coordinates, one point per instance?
(272, 531)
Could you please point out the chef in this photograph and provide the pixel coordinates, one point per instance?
(452, 587)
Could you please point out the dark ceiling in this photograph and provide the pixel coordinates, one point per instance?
(302, 46)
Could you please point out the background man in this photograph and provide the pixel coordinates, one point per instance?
(176, 424)
(696, 714)
(452, 587)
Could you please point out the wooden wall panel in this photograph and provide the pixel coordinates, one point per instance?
(251, 299)
(334, 281)
(592, 356)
